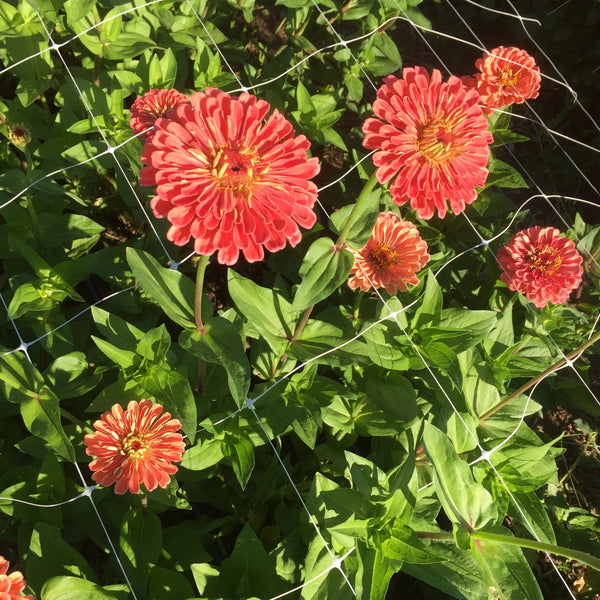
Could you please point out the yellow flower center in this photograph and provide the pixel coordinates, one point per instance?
(544, 258)
(384, 256)
(434, 141)
(505, 77)
(235, 169)
(135, 446)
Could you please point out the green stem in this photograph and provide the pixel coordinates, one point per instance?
(367, 189)
(200, 270)
(532, 382)
(583, 557)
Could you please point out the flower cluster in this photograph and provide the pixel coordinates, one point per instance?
(541, 264)
(505, 76)
(230, 176)
(432, 139)
(11, 585)
(391, 258)
(135, 446)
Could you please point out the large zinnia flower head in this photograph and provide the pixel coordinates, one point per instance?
(541, 264)
(391, 258)
(135, 446)
(506, 75)
(11, 585)
(432, 137)
(152, 105)
(230, 176)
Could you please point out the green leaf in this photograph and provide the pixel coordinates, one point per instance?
(168, 585)
(116, 330)
(140, 543)
(238, 448)
(155, 344)
(171, 290)
(171, 389)
(18, 374)
(67, 588)
(375, 572)
(503, 175)
(41, 415)
(249, 571)
(430, 309)
(50, 555)
(393, 394)
(126, 359)
(505, 568)
(267, 311)
(222, 344)
(77, 9)
(466, 503)
(536, 518)
(402, 545)
(362, 228)
(323, 270)
(203, 454)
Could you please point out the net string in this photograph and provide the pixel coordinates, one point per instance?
(192, 253)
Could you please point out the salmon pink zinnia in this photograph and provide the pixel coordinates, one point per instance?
(541, 264)
(391, 258)
(506, 75)
(135, 446)
(11, 585)
(230, 176)
(152, 105)
(432, 137)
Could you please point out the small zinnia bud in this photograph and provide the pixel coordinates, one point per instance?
(19, 135)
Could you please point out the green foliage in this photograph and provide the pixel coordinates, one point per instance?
(333, 437)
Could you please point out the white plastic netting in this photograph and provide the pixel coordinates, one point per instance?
(432, 45)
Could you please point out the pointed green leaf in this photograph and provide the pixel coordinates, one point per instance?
(323, 270)
(466, 502)
(67, 588)
(505, 568)
(170, 289)
(222, 344)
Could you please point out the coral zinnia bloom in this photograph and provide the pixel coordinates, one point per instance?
(11, 585)
(135, 446)
(391, 258)
(152, 105)
(432, 137)
(229, 178)
(541, 264)
(506, 75)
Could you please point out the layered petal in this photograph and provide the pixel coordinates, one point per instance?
(541, 264)
(391, 257)
(152, 105)
(135, 446)
(432, 141)
(230, 176)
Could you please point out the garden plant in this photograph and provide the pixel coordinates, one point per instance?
(299, 300)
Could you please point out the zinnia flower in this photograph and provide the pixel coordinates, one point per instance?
(20, 136)
(11, 585)
(506, 75)
(229, 178)
(391, 258)
(135, 446)
(432, 137)
(152, 105)
(541, 264)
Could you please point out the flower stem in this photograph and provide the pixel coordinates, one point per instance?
(200, 270)
(364, 193)
(532, 382)
(577, 555)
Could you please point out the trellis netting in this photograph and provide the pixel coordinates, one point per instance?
(368, 304)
